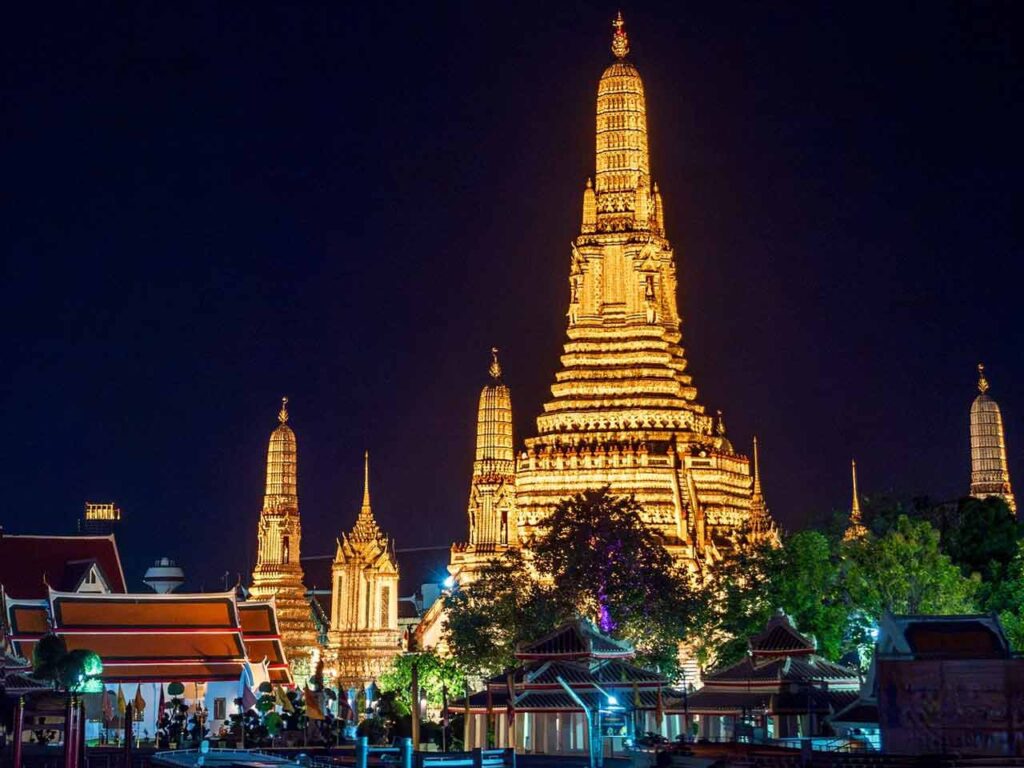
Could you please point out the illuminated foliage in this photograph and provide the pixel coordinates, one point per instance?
(610, 565)
(503, 607)
(434, 673)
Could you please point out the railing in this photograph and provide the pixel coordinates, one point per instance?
(403, 754)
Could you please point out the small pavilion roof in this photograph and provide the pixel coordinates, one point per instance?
(575, 639)
(789, 669)
(780, 637)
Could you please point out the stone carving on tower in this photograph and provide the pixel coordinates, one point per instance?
(492, 491)
(278, 574)
(855, 529)
(364, 635)
(990, 475)
(624, 410)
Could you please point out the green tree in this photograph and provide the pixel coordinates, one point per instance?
(433, 674)
(1005, 597)
(502, 608)
(800, 577)
(611, 566)
(984, 538)
(905, 571)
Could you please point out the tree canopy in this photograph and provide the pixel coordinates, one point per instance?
(597, 559)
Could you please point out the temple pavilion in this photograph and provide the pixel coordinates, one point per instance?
(781, 689)
(542, 705)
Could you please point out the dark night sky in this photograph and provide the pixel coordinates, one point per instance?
(210, 205)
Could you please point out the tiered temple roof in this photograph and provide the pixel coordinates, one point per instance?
(155, 638)
(782, 674)
(591, 664)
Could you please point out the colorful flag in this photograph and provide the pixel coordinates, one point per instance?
(121, 703)
(510, 692)
(108, 708)
(313, 710)
(344, 708)
(283, 700)
(138, 703)
(248, 698)
(161, 705)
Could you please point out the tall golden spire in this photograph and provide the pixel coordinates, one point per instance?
(366, 528)
(278, 572)
(990, 474)
(622, 183)
(855, 529)
(282, 465)
(757, 472)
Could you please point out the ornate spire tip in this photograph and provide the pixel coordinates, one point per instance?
(282, 415)
(982, 381)
(495, 367)
(620, 42)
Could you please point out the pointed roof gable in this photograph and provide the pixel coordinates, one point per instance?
(28, 564)
(575, 640)
(780, 638)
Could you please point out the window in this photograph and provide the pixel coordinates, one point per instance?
(220, 709)
(286, 550)
(385, 606)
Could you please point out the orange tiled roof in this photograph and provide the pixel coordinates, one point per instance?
(263, 638)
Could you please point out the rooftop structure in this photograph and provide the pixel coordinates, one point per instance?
(100, 519)
(855, 529)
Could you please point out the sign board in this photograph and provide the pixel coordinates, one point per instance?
(613, 724)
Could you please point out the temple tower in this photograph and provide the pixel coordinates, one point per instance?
(492, 499)
(624, 409)
(761, 526)
(990, 475)
(278, 574)
(364, 635)
(855, 529)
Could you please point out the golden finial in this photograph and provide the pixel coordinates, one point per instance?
(366, 480)
(590, 184)
(982, 381)
(757, 470)
(282, 415)
(855, 508)
(620, 43)
(720, 428)
(495, 368)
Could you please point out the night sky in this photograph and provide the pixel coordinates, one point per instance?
(210, 205)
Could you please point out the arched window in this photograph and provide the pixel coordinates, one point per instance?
(286, 550)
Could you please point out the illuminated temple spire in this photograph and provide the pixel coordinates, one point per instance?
(623, 410)
(491, 507)
(855, 528)
(990, 475)
(278, 574)
(363, 637)
(366, 528)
